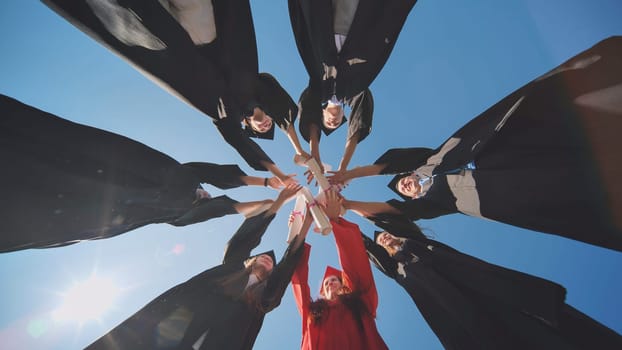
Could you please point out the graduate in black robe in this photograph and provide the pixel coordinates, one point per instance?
(64, 182)
(472, 304)
(547, 158)
(221, 308)
(205, 53)
(343, 44)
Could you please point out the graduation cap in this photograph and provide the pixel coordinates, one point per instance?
(269, 253)
(330, 271)
(393, 185)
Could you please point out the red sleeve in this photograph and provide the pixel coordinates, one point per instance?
(354, 262)
(300, 286)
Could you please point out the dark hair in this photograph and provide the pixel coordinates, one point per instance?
(352, 301)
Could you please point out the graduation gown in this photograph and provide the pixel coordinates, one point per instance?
(370, 40)
(472, 304)
(338, 328)
(217, 78)
(547, 157)
(213, 305)
(64, 182)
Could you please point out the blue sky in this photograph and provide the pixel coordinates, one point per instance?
(452, 60)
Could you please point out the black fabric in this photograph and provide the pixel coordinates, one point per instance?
(214, 302)
(371, 39)
(359, 122)
(547, 156)
(472, 304)
(64, 182)
(215, 78)
(369, 43)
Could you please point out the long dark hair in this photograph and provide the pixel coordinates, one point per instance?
(352, 301)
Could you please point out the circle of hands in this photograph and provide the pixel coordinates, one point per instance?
(320, 209)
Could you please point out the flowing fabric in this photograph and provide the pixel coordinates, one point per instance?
(546, 157)
(64, 182)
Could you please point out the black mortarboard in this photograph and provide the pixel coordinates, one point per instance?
(269, 253)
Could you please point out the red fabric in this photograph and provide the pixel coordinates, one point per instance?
(338, 329)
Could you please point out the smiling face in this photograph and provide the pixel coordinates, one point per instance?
(260, 121)
(332, 116)
(408, 186)
(386, 239)
(331, 286)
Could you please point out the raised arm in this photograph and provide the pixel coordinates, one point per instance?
(369, 208)
(352, 255)
(248, 236)
(359, 125)
(284, 270)
(300, 286)
(231, 130)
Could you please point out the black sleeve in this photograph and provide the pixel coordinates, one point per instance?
(233, 133)
(207, 209)
(379, 257)
(362, 106)
(276, 102)
(310, 110)
(400, 160)
(281, 276)
(416, 209)
(223, 176)
(246, 238)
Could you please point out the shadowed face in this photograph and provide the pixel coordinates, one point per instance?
(332, 116)
(331, 286)
(263, 262)
(260, 121)
(408, 186)
(386, 239)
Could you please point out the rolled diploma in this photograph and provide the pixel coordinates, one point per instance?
(321, 220)
(317, 173)
(321, 181)
(299, 208)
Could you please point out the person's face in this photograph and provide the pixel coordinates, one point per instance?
(408, 186)
(386, 239)
(331, 286)
(260, 121)
(264, 262)
(332, 116)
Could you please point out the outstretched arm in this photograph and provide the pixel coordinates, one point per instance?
(352, 256)
(248, 236)
(284, 270)
(369, 208)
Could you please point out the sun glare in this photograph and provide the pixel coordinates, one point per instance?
(87, 300)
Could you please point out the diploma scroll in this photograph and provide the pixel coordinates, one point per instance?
(323, 182)
(298, 214)
(321, 220)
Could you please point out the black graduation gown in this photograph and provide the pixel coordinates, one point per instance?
(369, 43)
(64, 182)
(216, 78)
(212, 302)
(472, 304)
(547, 156)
